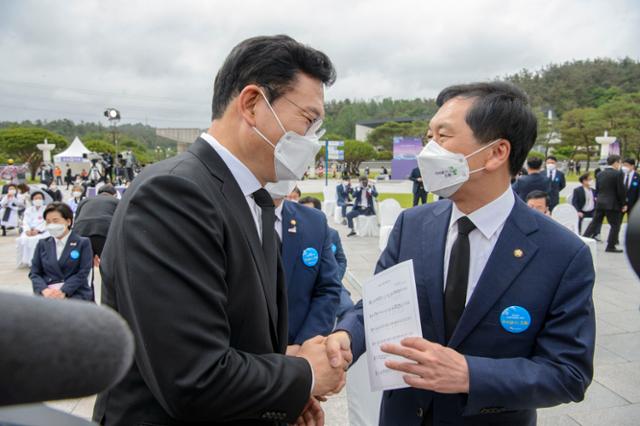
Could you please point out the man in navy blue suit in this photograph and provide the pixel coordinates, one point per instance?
(533, 181)
(504, 292)
(343, 193)
(631, 182)
(311, 271)
(557, 179)
(363, 202)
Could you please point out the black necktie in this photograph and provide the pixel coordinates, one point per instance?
(626, 180)
(455, 293)
(269, 247)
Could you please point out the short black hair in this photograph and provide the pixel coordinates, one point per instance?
(551, 157)
(40, 193)
(313, 200)
(108, 188)
(612, 159)
(584, 177)
(363, 178)
(62, 208)
(630, 161)
(272, 62)
(534, 163)
(537, 195)
(500, 111)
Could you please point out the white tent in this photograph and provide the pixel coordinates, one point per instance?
(73, 154)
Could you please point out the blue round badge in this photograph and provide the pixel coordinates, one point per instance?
(333, 248)
(515, 319)
(310, 256)
(635, 183)
(75, 254)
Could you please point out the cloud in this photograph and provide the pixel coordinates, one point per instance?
(156, 60)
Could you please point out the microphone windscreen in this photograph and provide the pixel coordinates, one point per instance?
(59, 349)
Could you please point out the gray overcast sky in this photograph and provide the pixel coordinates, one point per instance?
(155, 60)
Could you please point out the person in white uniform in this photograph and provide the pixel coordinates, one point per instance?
(33, 230)
(10, 205)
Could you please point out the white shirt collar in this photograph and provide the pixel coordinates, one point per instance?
(278, 210)
(489, 218)
(246, 179)
(63, 242)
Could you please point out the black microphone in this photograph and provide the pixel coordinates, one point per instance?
(58, 349)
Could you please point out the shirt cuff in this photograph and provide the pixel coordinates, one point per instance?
(313, 379)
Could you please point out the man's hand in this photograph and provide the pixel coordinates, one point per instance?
(580, 215)
(339, 349)
(47, 292)
(292, 350)
(312, 415)
(327, 378)
(32, 233)
(624, 209)
(432, 366)
(96, 261)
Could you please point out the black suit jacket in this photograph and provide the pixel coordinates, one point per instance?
(633, 190)
(579, 199)
(418, 186)
(611, 191)
(527, 183)
(93, 215)
(183, 264)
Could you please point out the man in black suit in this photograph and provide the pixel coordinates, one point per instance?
(532, 181)
(93, 218)
(584, 199)
(631, 182)
(191, 260)
(556, 179)
(419, 193)
(610, 203)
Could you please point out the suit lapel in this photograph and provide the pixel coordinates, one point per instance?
(434, 228)
(503, 267)
(233, 194)
(290, 241)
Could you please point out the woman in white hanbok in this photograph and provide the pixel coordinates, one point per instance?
(33, 230)
(10, 205)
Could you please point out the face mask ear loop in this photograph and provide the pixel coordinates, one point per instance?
(272, 111)
(266, 139)
(481, 149)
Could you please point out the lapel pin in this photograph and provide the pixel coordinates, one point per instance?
(73, 244)
(293, 229)
(518, 253)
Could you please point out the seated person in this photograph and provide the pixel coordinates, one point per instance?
(584, 199)
(33, 229)
(54, 191)
(539, 200)
(77, 195)
(10, 205)
(62, 262)
(363, 202)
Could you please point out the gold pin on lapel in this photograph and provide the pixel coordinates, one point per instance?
(293, 229)
(518, 253)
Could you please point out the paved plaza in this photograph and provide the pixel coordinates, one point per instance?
(613, 398)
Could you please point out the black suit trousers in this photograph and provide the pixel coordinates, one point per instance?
(614, 217)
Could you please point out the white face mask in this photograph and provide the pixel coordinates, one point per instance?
(444, 172)
(293, 153)
(625, 169)
(76, 194)
(56, 230)
(280, 189)
(551, 167)
(38, 202)
(12, 192)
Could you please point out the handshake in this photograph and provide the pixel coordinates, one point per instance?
(329, 358)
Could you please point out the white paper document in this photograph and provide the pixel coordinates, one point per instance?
(390, 308)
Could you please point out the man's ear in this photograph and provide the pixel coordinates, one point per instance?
(499, 155)
(247, 101)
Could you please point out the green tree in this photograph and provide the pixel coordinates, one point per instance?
(579, 129)
(20, 143)
(382, 136)
(355, 152)
(99, 145)
(622, 117)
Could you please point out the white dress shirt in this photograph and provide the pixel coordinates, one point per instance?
(589, 202)
(489, 221)
(244, 177)
(60, 244)
(278, 223)
(364, 201)
(551, 174)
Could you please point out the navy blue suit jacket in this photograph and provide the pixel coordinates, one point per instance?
(73, 268)
(345, 297)
(557, 184)
(533, 182)
(510, 374)
(313, 291)
(370, 197)
(633, 190)
(343, 194)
